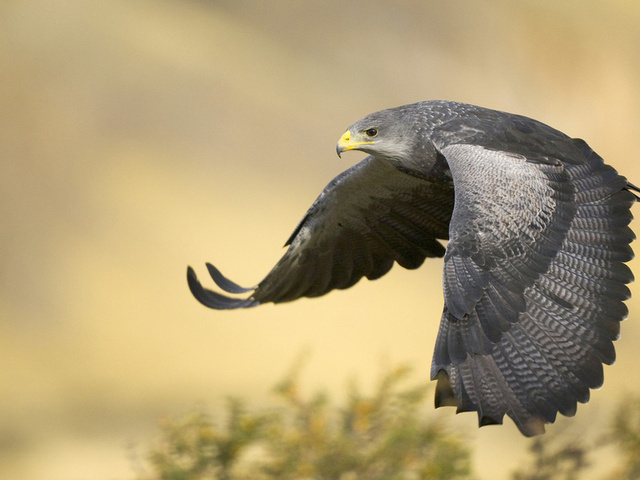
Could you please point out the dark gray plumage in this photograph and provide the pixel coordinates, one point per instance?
(534, 271)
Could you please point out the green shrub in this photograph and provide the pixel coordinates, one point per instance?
(381, 436)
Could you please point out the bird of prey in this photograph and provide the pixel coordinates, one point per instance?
(534, 269)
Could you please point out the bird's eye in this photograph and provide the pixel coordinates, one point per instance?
(371, 132)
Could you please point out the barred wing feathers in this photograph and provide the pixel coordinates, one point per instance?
(534, 282)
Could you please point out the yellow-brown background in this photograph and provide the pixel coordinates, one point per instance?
(139, 137)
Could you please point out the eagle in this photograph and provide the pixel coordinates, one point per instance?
(537, 235)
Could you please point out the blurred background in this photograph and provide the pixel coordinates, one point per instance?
(139, 137)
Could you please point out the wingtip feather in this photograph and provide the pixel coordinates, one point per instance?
(216, 300)
(224, 283)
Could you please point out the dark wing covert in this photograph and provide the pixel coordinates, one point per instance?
(367, 218)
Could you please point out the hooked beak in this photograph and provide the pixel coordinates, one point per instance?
(346, 143)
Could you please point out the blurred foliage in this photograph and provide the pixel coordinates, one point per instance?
(375, 437)
(555, 458)
(625, 435)
(565, 455)
(193, 449)
(384, 435)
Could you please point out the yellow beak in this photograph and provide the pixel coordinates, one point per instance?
(347, 143)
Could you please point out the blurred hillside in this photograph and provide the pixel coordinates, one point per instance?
(139, 137)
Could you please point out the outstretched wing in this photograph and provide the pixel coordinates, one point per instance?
(534, 281)
(366, 219)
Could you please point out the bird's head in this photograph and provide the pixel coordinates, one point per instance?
(389, 133)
